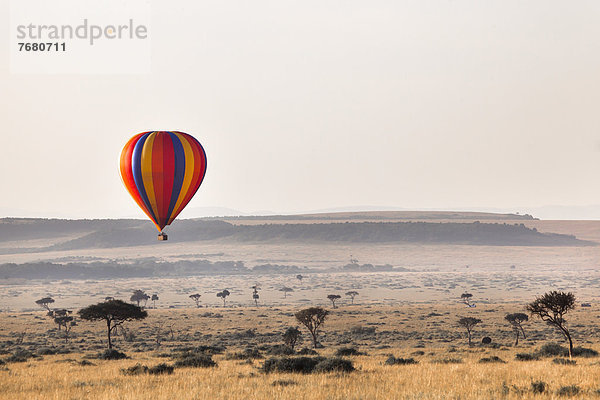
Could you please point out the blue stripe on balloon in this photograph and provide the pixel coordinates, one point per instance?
(179, 153)
(136, 166)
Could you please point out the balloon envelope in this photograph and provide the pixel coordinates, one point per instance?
(162, 171)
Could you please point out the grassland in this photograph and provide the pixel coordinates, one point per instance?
(447, 368)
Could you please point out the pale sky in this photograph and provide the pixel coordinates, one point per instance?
(305, 105)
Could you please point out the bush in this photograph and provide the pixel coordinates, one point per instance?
(20, 355)
(486, 340)
(137, 369)
(526, 357)
(553, 350)
(283, 382)
(564, 361)
(334, 364)
(538, 387)
(348, 351)
(492, 359)
(584, 352)
(112, 354)
(195, 360)
(247, 354)
(363, 330)
(448, 361)
(160, 369)
(45, 351)
(307, 352)
(304, 365)
(400, 361)
(279, 350)
(570, 390)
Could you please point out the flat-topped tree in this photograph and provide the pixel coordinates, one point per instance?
(114, 313)
(154, 300)
(551, 307)
(469, 323)
(196, 298)
(352, 294)
(45, 302)
(466, 298)
(299, 277)
(223, 294)
(516, 320)
(286, 290)
(139, 296)
(333, 298)
(312, 318)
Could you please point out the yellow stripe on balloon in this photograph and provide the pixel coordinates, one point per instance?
(146, 166)
(187, 178)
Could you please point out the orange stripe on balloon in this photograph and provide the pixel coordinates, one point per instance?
(127, 174)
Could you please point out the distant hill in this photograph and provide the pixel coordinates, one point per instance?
(85, 234)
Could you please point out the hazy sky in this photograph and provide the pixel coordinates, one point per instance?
(305, 105)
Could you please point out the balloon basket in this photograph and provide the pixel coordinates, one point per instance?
(163, 236)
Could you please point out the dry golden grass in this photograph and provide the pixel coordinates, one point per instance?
(62, 377)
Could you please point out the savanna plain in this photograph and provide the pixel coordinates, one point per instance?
(398, 337)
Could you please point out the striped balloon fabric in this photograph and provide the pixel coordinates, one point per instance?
(162, 171)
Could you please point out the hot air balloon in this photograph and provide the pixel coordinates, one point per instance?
(162, 171)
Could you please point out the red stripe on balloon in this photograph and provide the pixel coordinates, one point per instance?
(158, 175)
(169, 175)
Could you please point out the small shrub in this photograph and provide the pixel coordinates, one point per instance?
(279, 350)
(161, 369)
(20, 355)
(137, 369)
(363, 330)
(526, 357)
(538, 387)
(45, 351)
(492, 359)
(334, 364)
(571, 390)
(307, 352)
(348, 351)
(400, 361)
(584, 352)
(283, 382)
(418, 353)
(486, 340)
(195, 360)
(564, 361)
(247, 354)
(448, 361)
(304, 365)
(553, 350)
(112, 354)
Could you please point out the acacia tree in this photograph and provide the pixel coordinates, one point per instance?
(299, 277)
(312, 318)
(352, 294)
(291, 337)
(45, 302)
(469, 323)
(139, 296)
(223, 294)
(286, 290)
(466, 298)
(67, 322)
(551, 307)
(196, 298)
(516, 320)
(114, 313)
(333, 298)
(154, 299)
